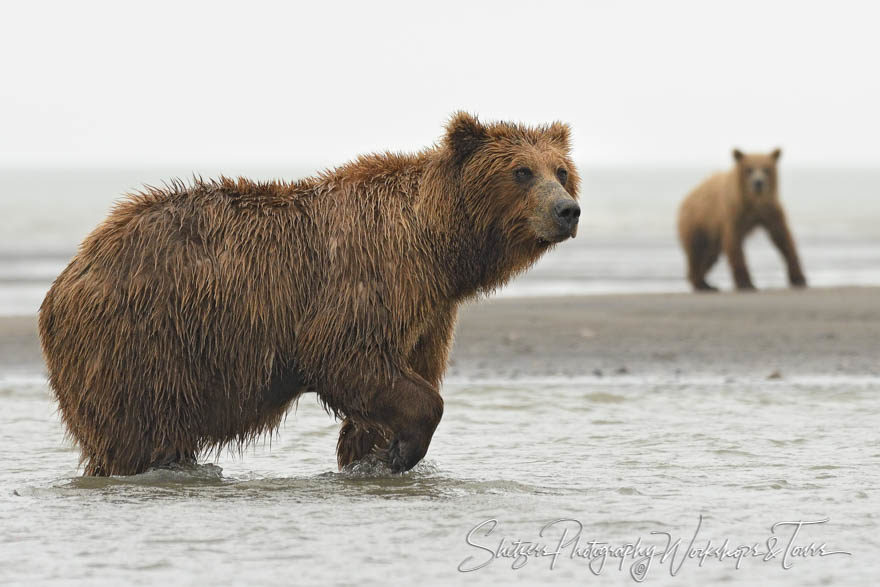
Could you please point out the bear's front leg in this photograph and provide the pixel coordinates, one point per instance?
(411, 409)
(366, 379)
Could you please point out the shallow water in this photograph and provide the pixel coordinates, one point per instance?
(623, 455)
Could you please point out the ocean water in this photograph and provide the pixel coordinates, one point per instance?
(688, 467)
(626, 244)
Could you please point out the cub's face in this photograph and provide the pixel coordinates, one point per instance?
(519, 182)
(757, 173)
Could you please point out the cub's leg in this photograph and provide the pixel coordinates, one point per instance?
(702, 253)
(777, 226)
(733, 248)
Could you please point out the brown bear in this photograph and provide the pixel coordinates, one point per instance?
(720, 212)
(195, 315)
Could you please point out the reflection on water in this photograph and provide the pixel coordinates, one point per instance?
(624, 455)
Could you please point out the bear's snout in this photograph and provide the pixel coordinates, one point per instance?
(556, 215)
(566, 213)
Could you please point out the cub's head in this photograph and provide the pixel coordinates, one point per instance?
(757, 173)
(518, 183)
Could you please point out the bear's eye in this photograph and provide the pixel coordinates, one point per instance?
(767, 170)
(522, 174)
(562, 175)
(749, 170)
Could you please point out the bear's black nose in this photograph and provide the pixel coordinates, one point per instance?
(759, 185)
(566, 213)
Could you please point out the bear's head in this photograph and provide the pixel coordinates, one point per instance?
(757, 173)
(518, 183)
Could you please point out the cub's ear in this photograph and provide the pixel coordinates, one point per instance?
(560, 133)
(738, 155)
(464, 135)
(776, 154)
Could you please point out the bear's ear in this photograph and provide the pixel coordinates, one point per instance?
(776, 154)
(559, 133)
(464, 135)
(738, 155)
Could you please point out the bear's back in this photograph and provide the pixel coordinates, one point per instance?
(188, 260)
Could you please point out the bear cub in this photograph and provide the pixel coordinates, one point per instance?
(719, 213)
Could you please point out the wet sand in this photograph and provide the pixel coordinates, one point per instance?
(833, 331)
(783, 333)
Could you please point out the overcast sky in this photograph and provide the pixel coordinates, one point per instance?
(252, 83)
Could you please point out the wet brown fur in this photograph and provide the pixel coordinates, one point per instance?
(195, 315)
(720, 213)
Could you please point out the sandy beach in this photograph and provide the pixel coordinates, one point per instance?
(833, 331)
(790, 332)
